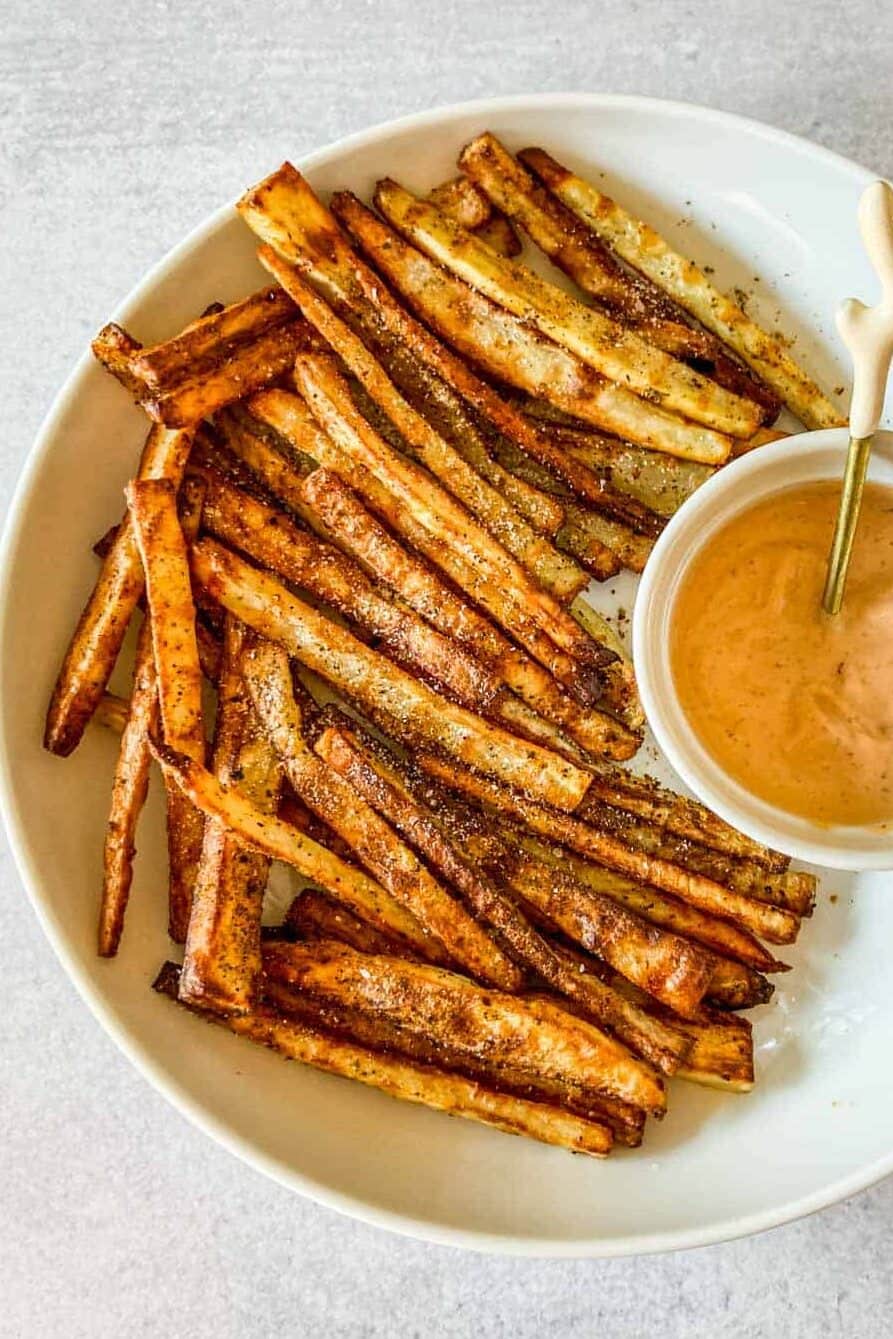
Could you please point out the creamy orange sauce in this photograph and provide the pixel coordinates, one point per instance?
(794, 704)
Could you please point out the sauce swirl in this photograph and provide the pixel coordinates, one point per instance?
(795, 705)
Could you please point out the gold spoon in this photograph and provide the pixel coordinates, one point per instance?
(868, 334)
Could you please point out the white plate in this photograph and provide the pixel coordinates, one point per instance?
(746, 199)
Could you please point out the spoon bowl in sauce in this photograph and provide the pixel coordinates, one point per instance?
(776, 715)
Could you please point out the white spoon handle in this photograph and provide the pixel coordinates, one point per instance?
(868, 331)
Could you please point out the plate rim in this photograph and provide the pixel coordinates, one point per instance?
(149, 1068)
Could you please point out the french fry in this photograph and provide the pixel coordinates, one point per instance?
(279, 840)
(672, 969)
(465, 551)
(528, 1036)
(402, 705)
(287, 215)
(646, 251)
(507, 348)
(97, 639)
(713, 932)
(315, 915)
(460, 199)
(614, 351)
(774, 924)
(377, 846)
(578, 251)
(722, 1052)
(248, 367)
(162, 548)
(409, 1081)
(207, 342)
(129, 791)
(376, 776)
(733, 985)
(620, 693)
(221, 960)
(111, 711)
(496, 514)
(586, 532)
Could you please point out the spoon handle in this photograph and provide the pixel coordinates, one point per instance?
(868, 334)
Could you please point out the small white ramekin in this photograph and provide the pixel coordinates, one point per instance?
(795, 460)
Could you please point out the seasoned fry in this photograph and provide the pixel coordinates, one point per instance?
(210, 340)
(97, 639)
(111, 711)
(722, 1052)
(315, 915)
(714, 933)
(377, 846)
(279, 840)
(129, 791)
(409, 1081)
(153, 509)
(221, 960)
(403, 706)
(613, 350)
(620, 695)
(497, 580)
(249, 367)
(665, 965)
(774, 924)
(460, 199)
(496, 514)
(576, 249)
(507, 347)
(645, 250)
(736, 986)
(529, 1036)
(377, 777)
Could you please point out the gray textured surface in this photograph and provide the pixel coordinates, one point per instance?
(121, 127)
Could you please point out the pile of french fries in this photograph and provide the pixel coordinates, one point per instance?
(369, 504)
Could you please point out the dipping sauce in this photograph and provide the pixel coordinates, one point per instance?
(796, 705)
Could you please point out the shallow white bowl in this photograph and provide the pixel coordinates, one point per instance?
(749, 201)
(795, 460)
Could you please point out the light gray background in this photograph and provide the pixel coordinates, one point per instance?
(121, 126)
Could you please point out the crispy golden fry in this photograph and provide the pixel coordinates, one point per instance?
(713, 932)
(613, 350)
(620, 693)
(509, 349)
(97, 639)
(733, 985)
(405, 707)
(273, 837)
(722, 1053)
(221, 960)
(286, 214)
(534, 1037)
(587, 533)
(249, 367)
(412, 1082)
(500, 236)
(315, 915)
(577, 250)
(665, 965)
(376, 776)
(496, 513)
(162, 548)
(273, 541)
(626, 1122)
(772, 923)
(377, 846)
(645, 250)
(466, 551)
(129, 791)
(460, 199)
(209, 341)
